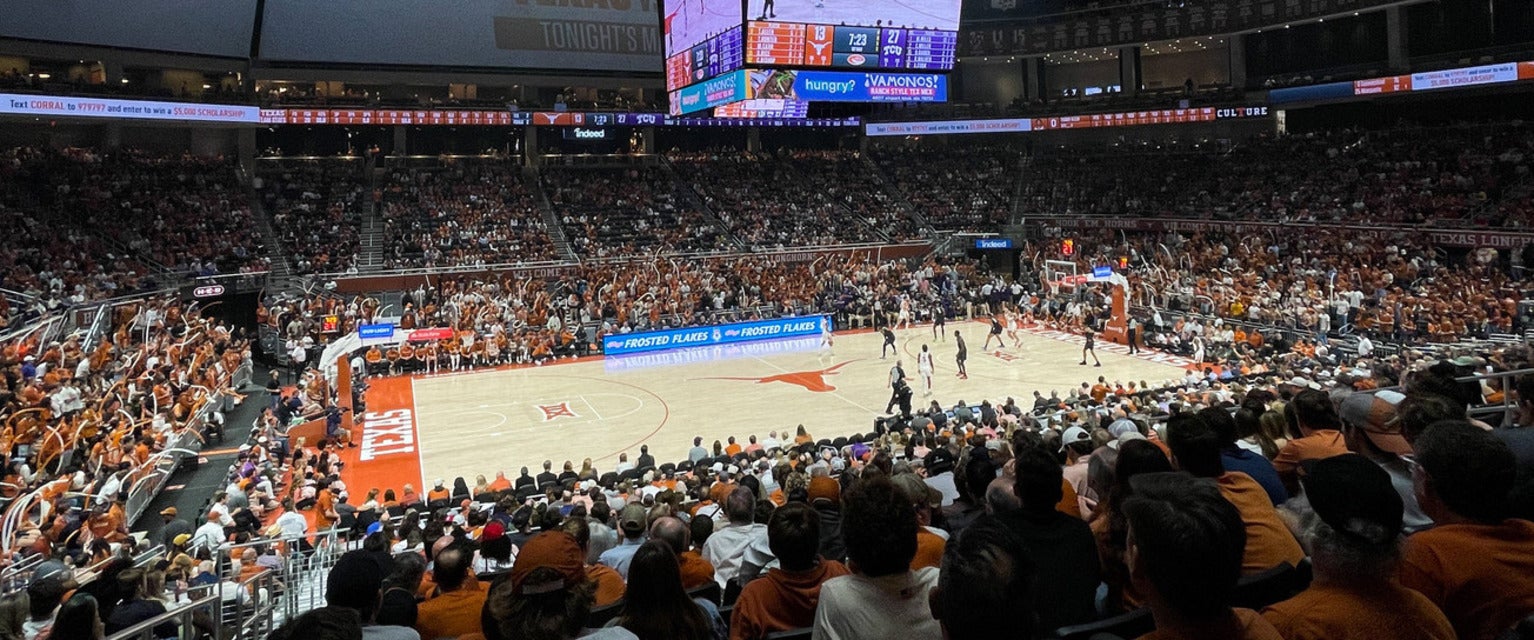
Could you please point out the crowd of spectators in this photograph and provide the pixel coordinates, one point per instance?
(1170, 509)
(186, 213)
(46, 265)
(1394, 287)
(316, 212)
(462, 214)
(769, 200)
(1474, 175)
(629, 212)
(82, 427)
(960, 188)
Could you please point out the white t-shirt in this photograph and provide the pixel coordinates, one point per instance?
(856, 606)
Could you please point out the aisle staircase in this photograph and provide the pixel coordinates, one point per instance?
(691, 197)
(280, 275)
(372, 236)
(534, 182)
(897, 195)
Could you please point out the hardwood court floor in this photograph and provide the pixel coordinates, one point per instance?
(487, 421)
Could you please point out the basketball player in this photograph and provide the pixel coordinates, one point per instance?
(938, 321)
(995, 333)
(961, 356)
(1009, 322)
(1017, 328)
(924, 369)
(904, 321)
(825, 337)
(1090, 347)
(889, 343)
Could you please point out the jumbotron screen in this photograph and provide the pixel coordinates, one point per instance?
(703, 39)
(920, 35)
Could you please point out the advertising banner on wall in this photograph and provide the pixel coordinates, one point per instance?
(620, 344)
(72, 107)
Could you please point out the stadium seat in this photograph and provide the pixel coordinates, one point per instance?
(709, 591)
(792, 634)
(437, 505)
(608, 479)
(839, 442)
(487, 497)
(668, 468)
(526, 492)
(600, 616)
(1125, 625)
(1272, 586)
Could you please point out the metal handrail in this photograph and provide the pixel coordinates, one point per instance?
(544, 264)
(181, 614)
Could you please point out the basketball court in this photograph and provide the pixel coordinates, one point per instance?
(480, 422)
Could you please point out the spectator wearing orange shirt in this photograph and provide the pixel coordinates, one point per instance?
(439, 492)
(608, 584)
(455, 611)
(1321, 433)
(929, 545)
(786, 597)
(1185, 549)
(500, 483)
(1196, 450)
(696, 571)
(1477, 564)
(1355, 548)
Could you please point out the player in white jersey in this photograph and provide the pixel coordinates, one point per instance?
(1017, 328)
(1009, 321)
(904, 322)
(924, 369)
(825, 336)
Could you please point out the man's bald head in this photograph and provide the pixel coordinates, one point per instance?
(1000, 497)
(672, 531)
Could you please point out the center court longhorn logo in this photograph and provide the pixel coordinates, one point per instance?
(813, 381)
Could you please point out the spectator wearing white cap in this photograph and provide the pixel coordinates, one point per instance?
(1076, 444)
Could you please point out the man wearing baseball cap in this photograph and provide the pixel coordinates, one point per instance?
(1370, 428)
(1076, 443)
(631, 523)
(173, 526)
(1355, 549)
(547, 590)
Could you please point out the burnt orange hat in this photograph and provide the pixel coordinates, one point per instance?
(554, 549)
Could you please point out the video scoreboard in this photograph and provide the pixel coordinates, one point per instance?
(816, 45)
(806, 50)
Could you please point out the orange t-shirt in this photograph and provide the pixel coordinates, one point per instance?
(1068, 505)
(1481, 575)
(324, 503)
(1268, 541)
(732, 449)
(437, 494)
(696, 571)
(1244, 625)
(1318, 445)
(610, 586)
(451, 614)
(929, 550)
(1327, 612)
